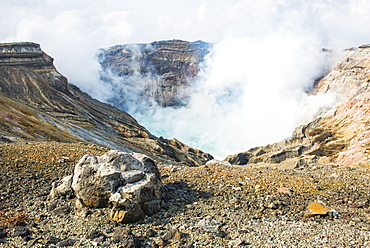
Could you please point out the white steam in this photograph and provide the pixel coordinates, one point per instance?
(250, 93)
(126, 91)
(252, 87)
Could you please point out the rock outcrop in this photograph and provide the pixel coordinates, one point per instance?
(340, 135)
(161, 71)
(26, 54)
(350, 77)
(38, 104)
(129, 184)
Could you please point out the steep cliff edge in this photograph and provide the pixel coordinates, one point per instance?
(350, 77)
(25, 54)
(159, 72)
(37, 103)
(341, 135)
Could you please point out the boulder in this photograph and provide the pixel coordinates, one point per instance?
(128, 183)
(218, 162)
(62, 188)
(94, 180)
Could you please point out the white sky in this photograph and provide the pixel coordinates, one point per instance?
(110, 22)
(72, 30)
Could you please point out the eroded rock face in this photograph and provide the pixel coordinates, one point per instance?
(350, 76)
(27, 54)
(38, 104)
(340, 135)
(160, 72)
(129, 184)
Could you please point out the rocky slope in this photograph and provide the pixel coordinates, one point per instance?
(208, 206)
(340, 135)
(159, 72)
(37, 104)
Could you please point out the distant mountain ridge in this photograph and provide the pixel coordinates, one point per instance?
(38, 104)
(160, 72)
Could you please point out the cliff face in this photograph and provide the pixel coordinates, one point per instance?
(37, 103)
(350, 77)
(26, 54)
(341, 135)
(167, 68)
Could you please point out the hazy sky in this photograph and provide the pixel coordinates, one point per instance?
(72, 30)
(268, 50)
(109, 22)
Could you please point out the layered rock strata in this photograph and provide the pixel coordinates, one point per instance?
(340, 135)
(162, 71)
(350, 76)
(38, 104)
(25, 54)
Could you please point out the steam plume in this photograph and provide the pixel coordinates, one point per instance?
(252, 88)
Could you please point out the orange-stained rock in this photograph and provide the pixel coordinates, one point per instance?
(318, 208)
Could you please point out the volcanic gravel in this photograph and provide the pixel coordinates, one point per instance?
(209, 206)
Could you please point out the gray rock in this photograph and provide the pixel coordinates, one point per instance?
(21, 231)
(151, 207)
(133, 176)
(3, 233)
(150, 233)
(147, 189)
(218, 162)
(52, 240)
(128, 183)
(172, 234)
(67, 242)
(62, 188)
(126, 238)
(236, 242)
(97, 236)
(63, 210)
(124, 210)
(93, 182)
